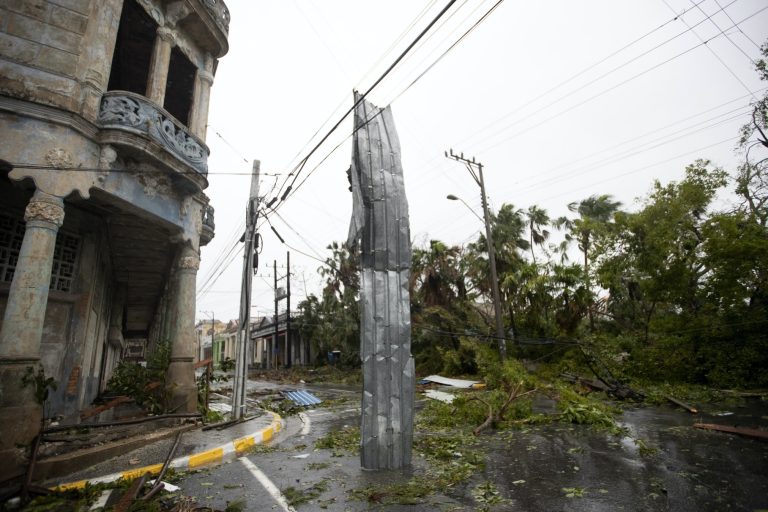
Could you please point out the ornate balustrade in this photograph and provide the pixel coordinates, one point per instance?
(219, 13)
(209, 227)
(132, 112)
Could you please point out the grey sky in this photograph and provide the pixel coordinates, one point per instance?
(505, 95)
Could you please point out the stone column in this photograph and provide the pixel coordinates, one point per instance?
(201, 99)
(180, 380)
(22, 329)
(158, 66)
(97, 49)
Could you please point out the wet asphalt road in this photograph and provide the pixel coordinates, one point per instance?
(543, 468)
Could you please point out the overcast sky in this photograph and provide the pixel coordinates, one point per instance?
(559, 100)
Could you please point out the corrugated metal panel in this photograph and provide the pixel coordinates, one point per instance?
(381, 229)
(303, 398)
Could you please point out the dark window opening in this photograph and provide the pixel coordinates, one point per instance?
(65, 254)
(133, 50)
(178, 89)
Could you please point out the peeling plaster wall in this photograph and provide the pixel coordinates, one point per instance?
(76, 322)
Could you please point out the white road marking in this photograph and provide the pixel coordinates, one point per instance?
(265, 482)
(307, 424)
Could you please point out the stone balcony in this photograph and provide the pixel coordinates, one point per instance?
(133, 122)
(208, 226)
(220, 14)
(210, 25)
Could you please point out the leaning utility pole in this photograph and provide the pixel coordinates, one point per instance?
(478, 177)
(244, 321)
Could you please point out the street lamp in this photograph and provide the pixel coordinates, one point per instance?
(456, 198)
(476, 171)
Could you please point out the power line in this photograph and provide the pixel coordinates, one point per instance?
(740, 30)
(570, 79)
(725, 65)
(475, 25)
(601, 93)
(589, 68)
(297, 170)
(713, 22)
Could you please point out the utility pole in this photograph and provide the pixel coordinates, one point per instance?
(281, 294)
(273, 352)
(476, 171)
(288, 311)
(244, 321)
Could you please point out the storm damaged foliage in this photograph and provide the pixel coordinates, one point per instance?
(144, 384)
(675, 289)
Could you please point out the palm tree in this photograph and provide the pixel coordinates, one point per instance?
(537, 218)
(594, 213)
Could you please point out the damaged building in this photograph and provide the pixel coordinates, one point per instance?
(103, 163)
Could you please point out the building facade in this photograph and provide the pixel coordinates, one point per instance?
(103, 163)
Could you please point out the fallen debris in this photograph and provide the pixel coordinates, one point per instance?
(303, 398)
(747, 432)
(684, 405)
(441, 396)
(497, 416)
(94, 411)
(456, 383)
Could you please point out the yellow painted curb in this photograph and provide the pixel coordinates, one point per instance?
(207, 457)
(233, 449)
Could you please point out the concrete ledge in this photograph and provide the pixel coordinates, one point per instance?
(68, 463)
(229, 451)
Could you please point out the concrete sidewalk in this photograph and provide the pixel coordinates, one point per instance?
(196, 449)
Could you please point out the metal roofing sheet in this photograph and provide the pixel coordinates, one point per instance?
(303, 398)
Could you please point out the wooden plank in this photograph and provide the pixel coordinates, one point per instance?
(205, 362)
(748, 432)
(684, 405)
(109, 405)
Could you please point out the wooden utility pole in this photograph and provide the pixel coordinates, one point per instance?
(244, 321)
(288, 310)
(476, 171)
(281, 294)
(273, 352)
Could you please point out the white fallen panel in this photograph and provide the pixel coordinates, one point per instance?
(440, 395)
(456, 383)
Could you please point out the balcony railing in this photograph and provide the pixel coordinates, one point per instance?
(219, 13)
(209, 227)
(135, 113)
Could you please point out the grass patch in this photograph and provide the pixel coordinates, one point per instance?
(296, 497)
(452, 460)
(345, 440)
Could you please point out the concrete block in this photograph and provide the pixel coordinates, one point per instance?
(62, 39)
(19, 50)
(34, 30)
(68, 20)
(81, 6)
(56, 60)
(37, 9)
(24, 26)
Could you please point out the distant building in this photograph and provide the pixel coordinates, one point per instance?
(103, 163)
(270, 347)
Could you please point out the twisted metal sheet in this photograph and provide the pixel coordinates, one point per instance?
(381, 229)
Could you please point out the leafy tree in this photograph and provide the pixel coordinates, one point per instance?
(332, 321)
